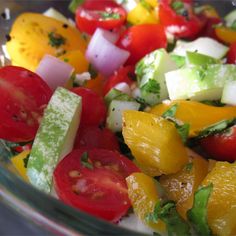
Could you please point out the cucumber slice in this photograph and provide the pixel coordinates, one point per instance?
(230, 19)
(179, 60)
(203, 45)
(198, 59)
(114, 119)
(55, 137)
(229, 93)
(199, 83)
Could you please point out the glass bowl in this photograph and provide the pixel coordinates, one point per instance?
(35, 207)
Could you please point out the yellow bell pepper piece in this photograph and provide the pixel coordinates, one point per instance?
(222, 202)
(154, 142)
(144, 14)
(209, 11)
(197, 114)
(225, 34)
(18, 162)
(143, 195)
(181, 186)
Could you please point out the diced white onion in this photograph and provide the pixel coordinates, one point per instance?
(81, 78)
(103, 54)
(123, 87)
(54, 71)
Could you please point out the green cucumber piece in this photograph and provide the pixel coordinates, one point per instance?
(230, 19)
(179, 60)
(229, 93)
(203, 45)
(198, 59)
(199, 83)
(55, 137)
(116, 107)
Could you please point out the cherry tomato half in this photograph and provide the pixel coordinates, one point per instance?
(95, 14)
(140, 40)
(24, 95)
(100, 188)
(231, 56)
(124, 74)
(93, 107)
(96, 137)
(222, 146)
(178, 18)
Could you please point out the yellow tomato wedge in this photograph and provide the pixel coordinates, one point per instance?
(222, 202)
(154, 142)
(181, 186)
(34, 35)
(19, 163)
(143, 195)
(197, 114)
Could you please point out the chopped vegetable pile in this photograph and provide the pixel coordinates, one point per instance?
(130, 111)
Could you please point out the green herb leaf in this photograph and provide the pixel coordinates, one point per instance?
(170, 112)
(166, 211)
(110, 15)
(152, 86)
(183, 131)
(56, 40)
(25, 160)
(198, 214)
(176, 5)
(92, 71)
(216, 128)
(75, 4)
(85, 161)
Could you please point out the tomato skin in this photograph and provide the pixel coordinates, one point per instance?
(182, 27)
(222, 146)
(24, 95)
(231, 56)
(101, 191)
(88, 18)
(209, 30)
(95, 137)
(93, 107)
(124, 74)
(153, 37)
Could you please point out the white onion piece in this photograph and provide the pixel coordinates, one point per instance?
(54, 71)
(123, 87)
(80, 79)
(103, 54)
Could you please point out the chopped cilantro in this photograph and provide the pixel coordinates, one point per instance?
(85, 161)
(179, 8)
(166, 211)
(25, 160)
(110, 15)
(66, 60)
(56, 40)
(142, 102)
(152, 86)
(170, 112)
(74, 5)
(198, 214)
(183, 131)
(92, 71)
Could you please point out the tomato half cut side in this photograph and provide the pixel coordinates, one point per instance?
(99, 189)
(24, 95)
(104, 14)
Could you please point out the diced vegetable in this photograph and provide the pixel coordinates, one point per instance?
(55, 137)
(229, 93)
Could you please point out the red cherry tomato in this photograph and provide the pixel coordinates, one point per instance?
(23, 98)
(100, 188)
(222, 146)
(124, 74)
(140, 40)
(178, 18)
(95, 137)
(231, 56)
(95, 14)
(93, 107)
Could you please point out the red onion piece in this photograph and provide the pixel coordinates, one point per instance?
(103, 54)
(54, 71)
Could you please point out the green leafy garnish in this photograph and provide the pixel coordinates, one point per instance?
(179, 8)
(152, 86)
(74, 4)
(198, 214)
(175, 224)
(171, 112)
(25, 160)
(56, 40)
(110, 15)
(183, 131)
(85, 161)
(216, 128)
(92, 71)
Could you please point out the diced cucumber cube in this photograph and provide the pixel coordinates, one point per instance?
(229, 93)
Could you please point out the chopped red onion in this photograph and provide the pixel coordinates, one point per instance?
(54, 71)
(103, 54)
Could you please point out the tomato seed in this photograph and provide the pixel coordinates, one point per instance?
(74, 174)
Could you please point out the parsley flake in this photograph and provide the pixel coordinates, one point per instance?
(56, 40)
(25, 160)
(85, 161)
(110, 15)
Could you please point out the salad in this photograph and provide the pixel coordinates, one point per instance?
(127, 113)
